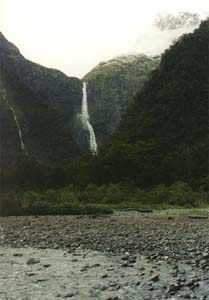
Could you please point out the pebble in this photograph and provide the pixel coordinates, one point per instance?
(32, 261)
(148, 254)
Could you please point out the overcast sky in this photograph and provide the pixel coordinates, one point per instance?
(75, 35)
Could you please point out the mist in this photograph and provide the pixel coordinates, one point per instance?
(74, 36)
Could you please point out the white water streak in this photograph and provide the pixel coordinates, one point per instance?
(22, 144)
(85, 119)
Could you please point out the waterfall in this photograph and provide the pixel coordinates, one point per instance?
(17, 124)
(86, 123)
(19, 130)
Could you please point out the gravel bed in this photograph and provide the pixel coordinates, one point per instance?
(125, 256)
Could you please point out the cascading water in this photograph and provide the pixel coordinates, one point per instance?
(17, 124)
(19, 130)
(86, 123)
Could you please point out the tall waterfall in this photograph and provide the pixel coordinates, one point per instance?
(86, 123)
(17, 124)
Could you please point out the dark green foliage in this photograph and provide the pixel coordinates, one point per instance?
(51, 202)
(46, 103)
(45, 128)
(164, 136)
(204, 184)
(96, 199)
(158, 155)
(32, 174)
(10, 204)
(111, 87)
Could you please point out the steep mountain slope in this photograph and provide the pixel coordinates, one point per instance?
(164, 136)
(9, 141)
(111, 87)
(45, 103)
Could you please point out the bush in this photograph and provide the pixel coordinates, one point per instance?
(113, 194)
(140, 196)
(29, 198)
(159, 194)
(67, 196)
(70, 200)
(65, 208)
(180, 193)
(200, 198)
(204, 185)
(40, 208)
(10, 204)
(90, 194)
(51, 196)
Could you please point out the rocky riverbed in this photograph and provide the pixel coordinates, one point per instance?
(127, 256)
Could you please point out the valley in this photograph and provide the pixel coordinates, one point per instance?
(104, 180)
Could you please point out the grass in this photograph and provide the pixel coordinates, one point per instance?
(159, 206)
(163, 209)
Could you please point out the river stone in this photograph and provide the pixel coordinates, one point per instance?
(33, 261)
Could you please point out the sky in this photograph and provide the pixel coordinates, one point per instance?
(75, 35)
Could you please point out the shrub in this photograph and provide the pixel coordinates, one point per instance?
(200, 198)
(29, 198)
(51, 196)
(180, 193)
(40, 208)
(113, 194)
(159, 194)
(67, 196)
(140, 196)
(204, 185)
(10, 204)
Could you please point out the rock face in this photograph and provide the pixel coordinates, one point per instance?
(111, 86)
(46, 103)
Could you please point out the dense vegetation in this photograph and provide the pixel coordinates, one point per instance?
(95, 199)
(112, 86)
(46, 103)
(157, 157)
(164, 136)
(44, 128)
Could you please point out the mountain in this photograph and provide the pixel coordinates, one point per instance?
(111, 86)
(38, 108)
(165, 30)
(164, 135)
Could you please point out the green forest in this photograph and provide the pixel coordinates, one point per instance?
(157, 157)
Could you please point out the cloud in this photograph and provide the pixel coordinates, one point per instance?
(161, 35)
(75, 35)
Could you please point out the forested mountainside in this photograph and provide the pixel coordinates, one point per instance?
(112, 86)
(164, 135)
(44, 105)
(40, 103)
(158, 153)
